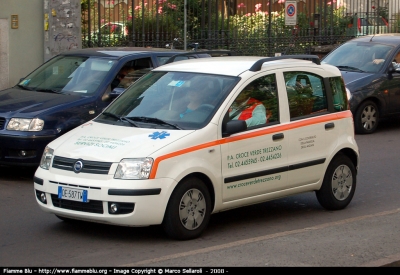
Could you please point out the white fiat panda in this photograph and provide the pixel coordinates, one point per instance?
(197, 137)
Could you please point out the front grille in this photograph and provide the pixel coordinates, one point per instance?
(2, 122)
(75, 185)
(92, 206)
(92, 167)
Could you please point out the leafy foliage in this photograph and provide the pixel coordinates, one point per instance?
(211, 22)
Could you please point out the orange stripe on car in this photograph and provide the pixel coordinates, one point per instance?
(269, 130)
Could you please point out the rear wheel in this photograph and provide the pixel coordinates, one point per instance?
(339, 184)
(366, 118)
(188, 211)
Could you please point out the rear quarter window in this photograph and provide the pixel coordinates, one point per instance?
(340, 101)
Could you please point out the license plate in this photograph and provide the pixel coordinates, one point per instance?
(66, 193)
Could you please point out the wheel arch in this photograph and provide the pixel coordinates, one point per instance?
(351, 155)
(207, 181)
(375, 100)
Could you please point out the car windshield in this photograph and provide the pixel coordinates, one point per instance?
(170, 100)
(358, 56)
(373, 21)
(69, 74)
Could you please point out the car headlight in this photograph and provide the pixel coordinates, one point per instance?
(134, 169)
(348, 93)
(25, 124)
(45, 162)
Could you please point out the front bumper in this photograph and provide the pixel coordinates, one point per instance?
(23, 150)
(143, 202)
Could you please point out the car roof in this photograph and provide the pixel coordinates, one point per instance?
(233, 65)
(390, 39)
(120, 51)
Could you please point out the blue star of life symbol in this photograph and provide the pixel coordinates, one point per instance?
(160, 135)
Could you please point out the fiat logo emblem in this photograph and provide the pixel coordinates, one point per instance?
(78, 166)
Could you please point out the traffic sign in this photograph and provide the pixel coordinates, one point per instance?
(291, 13)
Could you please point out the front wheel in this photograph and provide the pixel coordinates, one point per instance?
(339, 184)
(188, 211)
(366, 118)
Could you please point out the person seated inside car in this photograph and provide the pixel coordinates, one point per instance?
(375, 61)
(247, 108)
(198, 94)
(395, 64)
(379, 57)
(121, 80)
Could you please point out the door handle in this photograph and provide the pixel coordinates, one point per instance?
(329, 125)
(278, 136)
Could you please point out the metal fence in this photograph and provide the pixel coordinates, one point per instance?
(248, 27)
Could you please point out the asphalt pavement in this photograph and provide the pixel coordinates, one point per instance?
(309, 247)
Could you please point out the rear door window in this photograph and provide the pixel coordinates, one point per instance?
(306, 93)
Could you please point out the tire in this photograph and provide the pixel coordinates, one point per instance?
(188, 211)
(366, 118)
(339, 184)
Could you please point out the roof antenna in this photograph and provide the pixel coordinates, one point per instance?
(372, 38)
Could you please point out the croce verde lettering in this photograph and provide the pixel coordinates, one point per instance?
(272, 149)
(259, 155)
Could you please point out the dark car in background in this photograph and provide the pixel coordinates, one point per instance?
(67, 91)
(365, 24)
(373, 87)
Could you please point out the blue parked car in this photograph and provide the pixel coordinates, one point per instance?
(67, 91)
(371, 72)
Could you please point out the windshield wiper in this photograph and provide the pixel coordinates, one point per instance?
(350, 68)
(155, 120)
(57, 91)
(49, 91)
(131, 122)
(25, 88)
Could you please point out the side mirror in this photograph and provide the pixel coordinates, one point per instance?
(233, 126)
(116, 92)
(392, 69)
